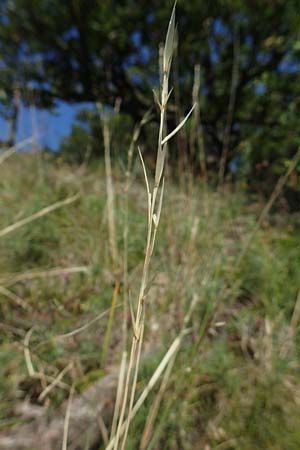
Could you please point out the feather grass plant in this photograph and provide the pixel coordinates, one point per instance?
(154, 203)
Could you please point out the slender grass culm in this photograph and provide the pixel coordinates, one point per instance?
(120, 387)
(154, 203)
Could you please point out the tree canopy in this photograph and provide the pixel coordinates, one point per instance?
(101, 50)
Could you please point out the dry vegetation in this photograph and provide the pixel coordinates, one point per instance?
(230, 378)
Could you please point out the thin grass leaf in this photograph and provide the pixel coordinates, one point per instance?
(151, 383)
(15, 298)
(109, 324)
(54, 383)
(144, 170)
(156, 98)
(169, 136)
(169, 45)
(11, 279)
(169, 94)
(160, 200)
(82, 328)
(10, 151)
(149, 197)
(160, 162)
(38, 214)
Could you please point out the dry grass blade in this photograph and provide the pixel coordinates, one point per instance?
(160, 200)
(79, 329)
(9, 152)
(27, 355)
(197, 134)
(54, 383)
(103, 429)
(109, 324)
(170, 135)
(15, 298)
(145, 171)
(149, 197)
(39, 214)
(160, 163)
(125, 395)
(148, 429)
(156, 98)
(33, 274)
(169, 45)
(30, 368)
(134, 383)
(157, 401)
(120, 391)
(67, 419)
(109, 184)
(152, 382)
(87, 325)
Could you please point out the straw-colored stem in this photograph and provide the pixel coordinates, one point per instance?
(133, 387)
(125, 394)
(109, 324)
(120, 391)
(110, 193)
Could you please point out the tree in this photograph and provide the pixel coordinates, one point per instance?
(99, 50)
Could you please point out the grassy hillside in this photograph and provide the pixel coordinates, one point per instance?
(234, 383)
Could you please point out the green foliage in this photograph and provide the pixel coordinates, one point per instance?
(108, 51)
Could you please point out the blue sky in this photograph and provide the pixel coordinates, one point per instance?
(51, 127)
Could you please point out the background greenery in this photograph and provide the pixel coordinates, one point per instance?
(108, 51)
